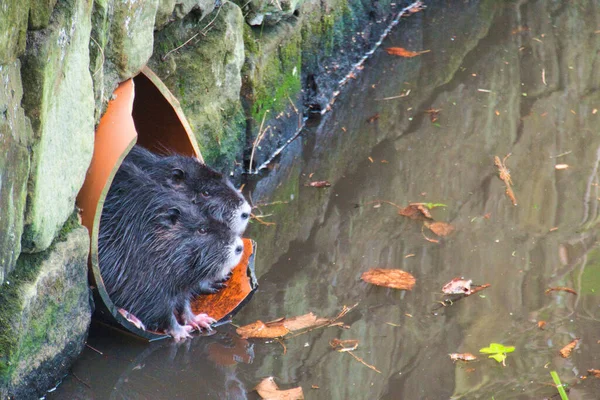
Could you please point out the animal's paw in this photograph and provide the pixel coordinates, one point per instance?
(203, 321)
(180, 332)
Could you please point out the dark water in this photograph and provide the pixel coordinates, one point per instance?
(509, 77)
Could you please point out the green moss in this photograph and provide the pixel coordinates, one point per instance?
(251, 45)
(278, 80)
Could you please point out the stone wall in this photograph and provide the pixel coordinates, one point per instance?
(232, 66)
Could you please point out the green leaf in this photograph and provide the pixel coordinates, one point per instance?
(559, 386)
(498, 357)
(434, 205)
(497, 348)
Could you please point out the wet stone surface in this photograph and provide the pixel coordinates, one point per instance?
(506, 78)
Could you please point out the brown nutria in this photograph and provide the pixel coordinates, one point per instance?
(207, 188)
(155, 247)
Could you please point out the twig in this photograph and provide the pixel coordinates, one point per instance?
(383, 201)
(80, 380)
(332, 322)
(280, 341)
(257, 140)
(360, 360)
(101, 52)
(96, 350)
(260, 221)
(395, 97)
(270, 204)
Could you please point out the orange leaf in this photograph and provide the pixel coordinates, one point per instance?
(440, 228)
(541, 324)
(393, 278)
(259, 329)
(415, 211)
(479, 288)
(319, 184)
(304, 321)
(595, 372)
(344, 345)
(560, 289)
(565, 352)
(401, 52)
(268, 389)
(462, 356)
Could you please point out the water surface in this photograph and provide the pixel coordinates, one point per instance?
(507, 77)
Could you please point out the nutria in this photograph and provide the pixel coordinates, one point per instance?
(154, 248)
(207, 188)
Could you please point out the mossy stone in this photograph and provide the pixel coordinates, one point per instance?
(13, 30)
(44, 316)
(15, 135)
(205, 75)
(58, 98)
(40, 12)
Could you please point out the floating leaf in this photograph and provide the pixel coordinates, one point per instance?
(462, 356)
(415, 211)
(504, 175)
(560, 289)
(595, 372)
(431, 206)
(458, 286)
(565, 352)
(541, 324)
(401, 52)
(319, 184)
(497, 351)
(259, 329)
(267, 389)
(440, 228)
(393, 278)
(304, 321)
(561, 166)
(344, 345)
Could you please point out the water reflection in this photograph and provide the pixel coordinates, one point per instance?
(507, 77)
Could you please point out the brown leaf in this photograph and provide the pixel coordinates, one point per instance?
(434, 114)
(440, 228)
(565, 352)
(504, 175)
(415, 211)
(595, 372)
(268, 390)
(303, 322)
(259, 329)
(458, 286)
(373, 118)
(541, 324)
(479, 288)
(344, 345)
(401, 52)
(393, 278)
(319, 184)
(560, 289)
(462, 356)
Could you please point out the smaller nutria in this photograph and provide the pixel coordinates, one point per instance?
(154, 248)
(207, 188)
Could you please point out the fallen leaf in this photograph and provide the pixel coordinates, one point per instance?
(268, 390)
(504, 175)
(565, 352)
(434, 114)
(303, 322)
(418, 6)
(314, 387)
(415, 211)
(319, 184)
(401, 52)
(458, 286)
(373, 118)
(371, 159)
(541, 324)
(462, 356)
(561, 166)
(344, 345)
(393, 278)
(479, 288)
(560, 289)
(595, 372)
(259, 329)
(440, 228)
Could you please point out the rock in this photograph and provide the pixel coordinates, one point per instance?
(58, 98)
(15, 135)
(205, 75)
(164, 13)
(184, 7)
(131, 35)
(268, 12)
(40, 12)
(44, 316)
(13, 23)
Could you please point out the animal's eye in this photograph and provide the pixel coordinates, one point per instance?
(177, 174)
(202, 231)
(205, 193)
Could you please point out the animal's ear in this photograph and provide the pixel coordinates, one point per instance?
(177, 174)
(173, 215)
